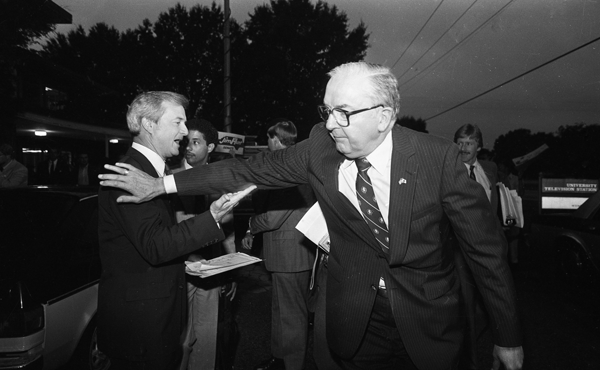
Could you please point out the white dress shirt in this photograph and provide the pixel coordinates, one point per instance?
(481, 178)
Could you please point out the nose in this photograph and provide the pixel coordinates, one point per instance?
(183, 129)
(331, 123)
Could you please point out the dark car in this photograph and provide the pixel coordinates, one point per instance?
(571, 241)
(49, 271)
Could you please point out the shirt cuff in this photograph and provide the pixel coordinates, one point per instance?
(169, 184)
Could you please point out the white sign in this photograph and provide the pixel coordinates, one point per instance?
(229, 141)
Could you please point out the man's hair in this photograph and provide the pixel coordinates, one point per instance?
(284, 130)
(7, 150)
(149, 105)
(384, 85)
(208, 131)
(469, 130)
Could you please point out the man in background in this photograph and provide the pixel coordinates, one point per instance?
(288, 256)
(470, 142)
(12, 173)
(142, 305)
(200, 344)
(84, 173)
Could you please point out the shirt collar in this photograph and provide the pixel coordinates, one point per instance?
(155, 159)
(380, 158)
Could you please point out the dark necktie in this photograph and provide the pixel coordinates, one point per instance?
(472, 173)
(368, 205)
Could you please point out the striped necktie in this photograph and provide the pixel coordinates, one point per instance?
(368, 205)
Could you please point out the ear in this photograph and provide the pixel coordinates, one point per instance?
(385, 119)
(147, 125)
(211, 147)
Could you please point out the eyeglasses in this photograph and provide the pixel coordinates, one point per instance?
(341, 116)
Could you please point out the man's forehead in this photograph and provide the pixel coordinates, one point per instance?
(195, 134)
(467, 138)
(346, 90)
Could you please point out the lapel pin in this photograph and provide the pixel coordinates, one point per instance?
(402, 181)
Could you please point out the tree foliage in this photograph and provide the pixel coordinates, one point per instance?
(291, 45)
(22, 22)
(573, 150)
(279, 60)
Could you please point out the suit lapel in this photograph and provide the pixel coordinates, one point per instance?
(147, 167)
(343, 208)
(403, 183)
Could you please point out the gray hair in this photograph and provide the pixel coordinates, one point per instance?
(384, 85)
(149, 105)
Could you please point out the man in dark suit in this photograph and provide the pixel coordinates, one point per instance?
(54, 170)
(470, 142)
(84, 173)
(142, 293)
(289, 257)
(391, 302)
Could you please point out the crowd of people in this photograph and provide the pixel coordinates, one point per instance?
(417, 250)
(400, 207)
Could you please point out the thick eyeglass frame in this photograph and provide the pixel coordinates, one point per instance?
(325, 112)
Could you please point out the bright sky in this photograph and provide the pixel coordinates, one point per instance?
(452, 61)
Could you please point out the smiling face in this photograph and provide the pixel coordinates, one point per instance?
(367, 129)
(197, 151)
(469, 147)
(170, 129)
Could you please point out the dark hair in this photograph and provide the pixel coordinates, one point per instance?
(149, 105)
(6, 149)
(469, 130)
(284, 130)
(208, 131)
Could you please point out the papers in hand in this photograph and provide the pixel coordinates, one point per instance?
(313, 226)
(512, 206)
(218, 265)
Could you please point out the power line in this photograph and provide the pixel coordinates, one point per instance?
(439, 38)
(514, 78)
(418, 33)
(461, 42)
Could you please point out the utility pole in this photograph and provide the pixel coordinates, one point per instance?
(226, 69)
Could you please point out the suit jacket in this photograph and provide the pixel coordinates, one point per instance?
(285, 249)
(142, 299)
(491, 171)
(92, 175)
(59, 176)
(430, 191)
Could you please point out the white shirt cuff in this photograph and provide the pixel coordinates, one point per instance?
(169, 184)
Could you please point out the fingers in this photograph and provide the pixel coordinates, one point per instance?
(128, 199)
(121, 168)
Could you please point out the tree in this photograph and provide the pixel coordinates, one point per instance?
(182, 51)
(410, 122)
(291, 45)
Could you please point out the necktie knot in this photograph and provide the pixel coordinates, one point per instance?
(362, 164)
(472, 172)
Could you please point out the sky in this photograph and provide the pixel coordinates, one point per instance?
(448, 52)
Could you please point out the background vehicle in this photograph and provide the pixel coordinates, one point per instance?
(570, 241)
(49, 273)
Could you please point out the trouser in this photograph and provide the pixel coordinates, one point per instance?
(200, 344)
(289, 317)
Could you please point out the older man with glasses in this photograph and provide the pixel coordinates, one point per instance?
(389, 196)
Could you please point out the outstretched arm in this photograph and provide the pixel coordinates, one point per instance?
(142, 186)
